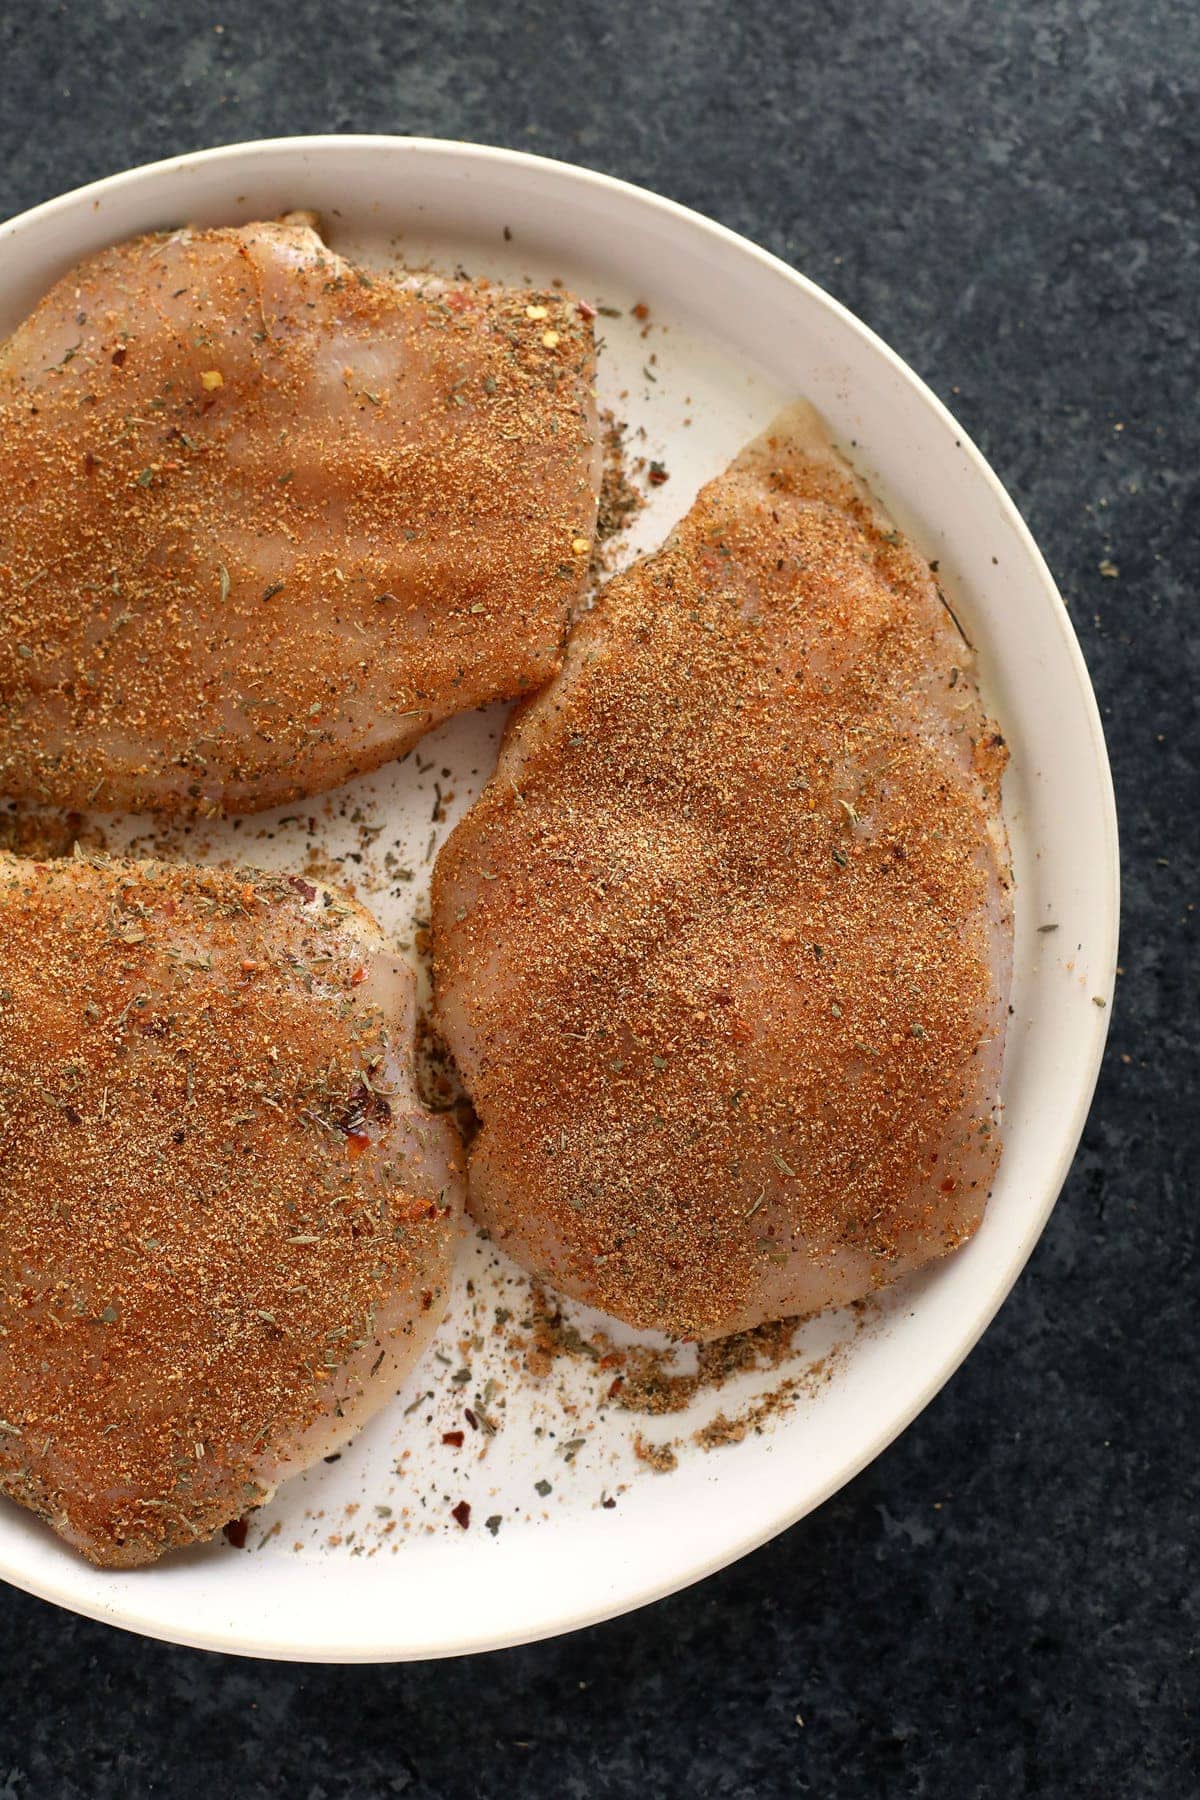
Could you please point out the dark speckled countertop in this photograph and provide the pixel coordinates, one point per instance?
(1005, 1603)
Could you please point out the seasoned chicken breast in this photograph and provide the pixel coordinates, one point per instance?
(268, 518)
(723, 949)
(226, 1223)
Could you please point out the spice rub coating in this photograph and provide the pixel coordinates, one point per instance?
(268, 518)
(723, 949)
(226, 1223)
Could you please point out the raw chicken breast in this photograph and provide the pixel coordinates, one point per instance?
(226, 1223)
(268, 518)
(723, 949)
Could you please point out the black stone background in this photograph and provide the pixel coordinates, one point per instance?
(1005, 1603)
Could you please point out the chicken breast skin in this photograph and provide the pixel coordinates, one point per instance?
(226, 1222)
(270, 517)
(723, 949)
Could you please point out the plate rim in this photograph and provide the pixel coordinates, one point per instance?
(312, 1648)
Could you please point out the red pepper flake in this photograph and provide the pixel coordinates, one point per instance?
(641, 310)
(236, 1531)
(584, 310)
(462, 1513)
(657, 474)
(453, 1437)
(356, 1143)
(358, 977)
(305, 889)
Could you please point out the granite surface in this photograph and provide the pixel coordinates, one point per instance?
(1005, 1603)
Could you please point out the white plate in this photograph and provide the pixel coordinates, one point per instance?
(732, 333)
